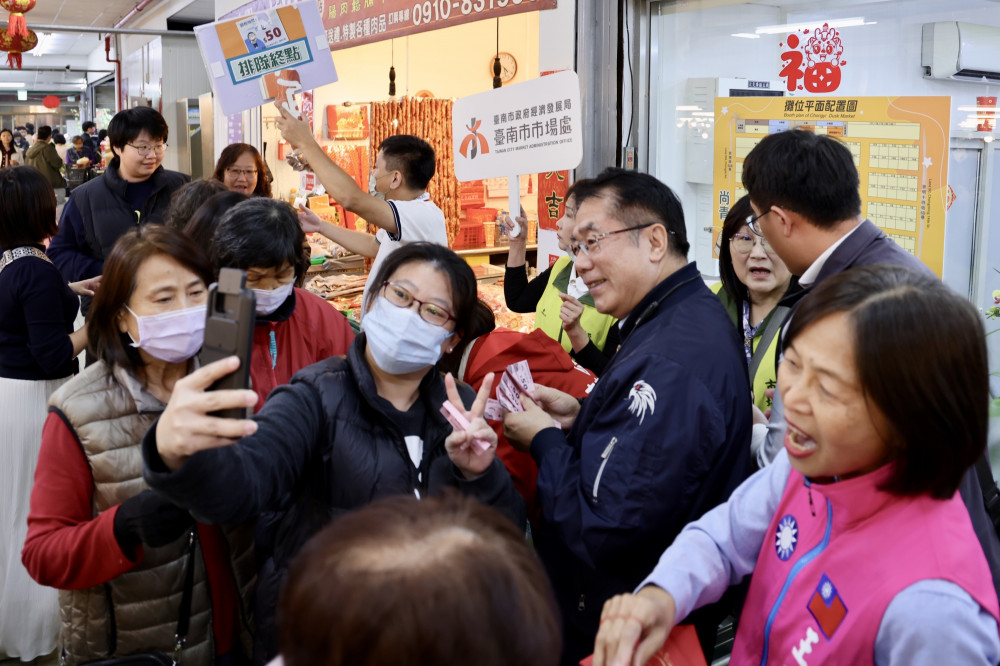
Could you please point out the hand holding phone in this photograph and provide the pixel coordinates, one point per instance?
(229, 332)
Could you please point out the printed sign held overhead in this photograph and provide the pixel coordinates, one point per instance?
(266, 55)
(528, 127)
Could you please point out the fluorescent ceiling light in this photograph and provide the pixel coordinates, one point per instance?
(687, 108)
(810, 25)
(745, 35)
(8, 84)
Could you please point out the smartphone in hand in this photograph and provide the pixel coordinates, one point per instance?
(229, 332)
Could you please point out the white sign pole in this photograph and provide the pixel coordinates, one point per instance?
(514, 200)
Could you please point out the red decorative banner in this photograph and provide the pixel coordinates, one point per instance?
(552, 188)
(354, 22)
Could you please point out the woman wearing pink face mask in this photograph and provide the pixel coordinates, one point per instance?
(121, 552)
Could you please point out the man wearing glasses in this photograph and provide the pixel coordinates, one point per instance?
(134, 190)
(804, 190)
(663, 437)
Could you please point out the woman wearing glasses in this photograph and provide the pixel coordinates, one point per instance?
(344, 431)
(241, 169)
(754, 279)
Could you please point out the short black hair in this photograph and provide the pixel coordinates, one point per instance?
(87, 124)
(921, 360)
(462, 280)
(130, 123)
(635, 199)
(28, 203)
(44, 133)
(810, 174)
(58, 138)
(736, 218)
(261, 233)
(411, 156)
(202, 222)
(188, 198)
(481, 322)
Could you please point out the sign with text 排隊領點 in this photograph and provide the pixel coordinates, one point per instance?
(528, 127)
(353, 22)
(266, 54)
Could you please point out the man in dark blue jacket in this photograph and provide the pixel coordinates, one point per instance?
(134, 190)
(664, 436)
(804, 190)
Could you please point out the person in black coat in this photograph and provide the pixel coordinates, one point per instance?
(344, 431)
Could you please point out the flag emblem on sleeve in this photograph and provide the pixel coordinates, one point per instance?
(827, 607)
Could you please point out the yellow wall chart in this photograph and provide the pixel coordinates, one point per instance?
(900, 147)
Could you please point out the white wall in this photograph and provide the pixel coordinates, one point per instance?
(882, 59)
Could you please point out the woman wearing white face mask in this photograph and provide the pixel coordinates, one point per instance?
(294, 327)
(120, 551)
(344, 431)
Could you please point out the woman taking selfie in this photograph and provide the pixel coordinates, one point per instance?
(861, 549)
(346, 430)
(119, 552)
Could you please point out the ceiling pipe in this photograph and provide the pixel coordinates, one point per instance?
(68, 70)
(135, 10)
(106, 31)
(118, 71)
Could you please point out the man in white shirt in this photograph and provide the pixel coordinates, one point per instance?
(397, 201)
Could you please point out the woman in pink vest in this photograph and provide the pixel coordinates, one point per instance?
(861, 550)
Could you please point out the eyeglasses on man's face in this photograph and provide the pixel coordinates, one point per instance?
(743, 243)
(432, 313)
(753, 221)
(146, 149)
(245, 173)
(592, 244)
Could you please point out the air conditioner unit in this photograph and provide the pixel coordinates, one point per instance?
(961, 51)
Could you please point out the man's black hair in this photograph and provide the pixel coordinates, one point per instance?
(809, 174)
(635, 199)
(87, 124)
(411, 156)
(128, 124)
(44, 133)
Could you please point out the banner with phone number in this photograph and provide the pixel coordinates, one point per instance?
(354, 22)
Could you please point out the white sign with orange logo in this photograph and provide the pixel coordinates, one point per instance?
(528, 127)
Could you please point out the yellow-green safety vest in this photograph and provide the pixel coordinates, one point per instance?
(547, 318)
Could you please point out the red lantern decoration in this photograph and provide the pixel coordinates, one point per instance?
(17, 45)
(17, 26)
(51, 102)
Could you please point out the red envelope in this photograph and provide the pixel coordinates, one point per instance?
(681, 649)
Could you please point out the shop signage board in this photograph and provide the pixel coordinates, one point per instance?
(354, 22)
(266, 54)
(528, 127)
(900, 147)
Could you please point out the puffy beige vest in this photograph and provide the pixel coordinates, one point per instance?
(137, 611)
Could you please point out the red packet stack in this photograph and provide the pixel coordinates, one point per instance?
(681, 649)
